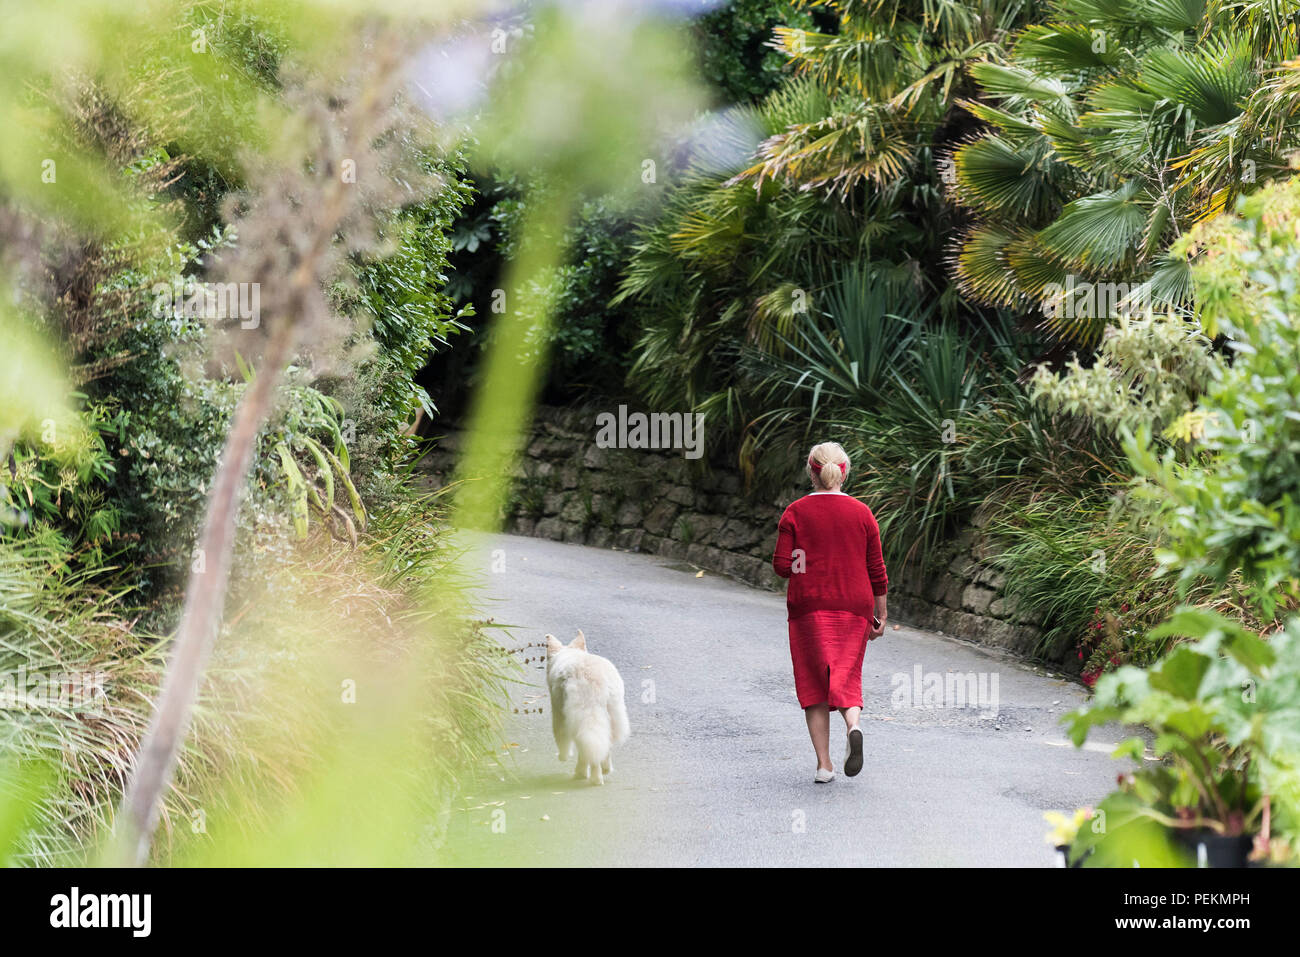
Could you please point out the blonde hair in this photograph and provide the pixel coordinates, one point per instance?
(824, 463)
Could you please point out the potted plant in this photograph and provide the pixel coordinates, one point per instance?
(1225, 713)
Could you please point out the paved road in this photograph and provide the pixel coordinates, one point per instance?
(718, 771)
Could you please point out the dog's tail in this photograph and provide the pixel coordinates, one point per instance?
(593, 740)
(618, 726)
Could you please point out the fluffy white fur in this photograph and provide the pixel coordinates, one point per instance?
(587, 708)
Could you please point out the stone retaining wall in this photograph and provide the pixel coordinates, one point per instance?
(658, 502)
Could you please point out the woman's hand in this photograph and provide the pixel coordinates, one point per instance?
(880, 618)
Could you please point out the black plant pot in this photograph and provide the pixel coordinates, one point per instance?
(1063, 859)
(1210, 849)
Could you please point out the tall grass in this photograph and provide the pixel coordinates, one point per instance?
(270, 714)
(1082, 562)
(62, 626)
(1064, 556)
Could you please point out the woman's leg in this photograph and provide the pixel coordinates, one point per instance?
(819, 729)
(853, 750)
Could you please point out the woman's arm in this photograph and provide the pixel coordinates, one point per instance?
(783, 557)
(878, 575)
(876, 559)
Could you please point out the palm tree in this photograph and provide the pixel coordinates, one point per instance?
(700, 270)
(847, 172)
(892, 69)
(1110, 130)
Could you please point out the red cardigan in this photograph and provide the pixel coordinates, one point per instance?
(828, 545)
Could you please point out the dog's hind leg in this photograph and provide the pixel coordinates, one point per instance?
(581, 772)
(595, 770)
(608, 764)
(559, 727)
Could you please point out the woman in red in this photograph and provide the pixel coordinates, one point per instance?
(828, 546)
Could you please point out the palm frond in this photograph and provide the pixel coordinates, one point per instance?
(982, 269)
(995, 177)
(1065, 48)
(1019, 88)
(1097, 231)
(837, 154)
(1211, 80)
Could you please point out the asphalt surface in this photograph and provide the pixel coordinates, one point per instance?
(719, 769)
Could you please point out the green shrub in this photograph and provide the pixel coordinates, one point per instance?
(591, 350)
(1236, 505)
(735, 48)
(404, 296)
(1149, 372)
(1226, 705)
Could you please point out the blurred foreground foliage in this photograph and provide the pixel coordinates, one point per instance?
(119, 391)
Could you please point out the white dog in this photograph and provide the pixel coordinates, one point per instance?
(587, 706)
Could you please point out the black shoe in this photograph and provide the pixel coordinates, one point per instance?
(853, 759)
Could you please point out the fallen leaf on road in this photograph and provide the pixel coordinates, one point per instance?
(700, 573)
(546, 817)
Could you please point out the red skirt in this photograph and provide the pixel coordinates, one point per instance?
(827, 648)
